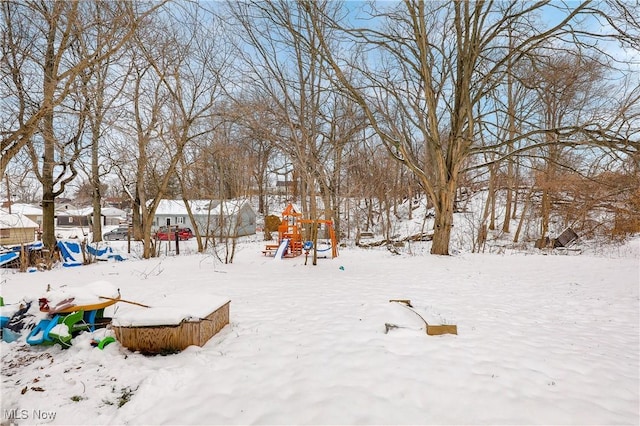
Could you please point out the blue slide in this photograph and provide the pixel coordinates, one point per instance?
(282, 249)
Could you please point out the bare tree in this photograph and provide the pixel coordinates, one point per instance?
(286, 67)
(43, 67)
(176, 82)
(219, 169)
(428, 80)
(141, 166)
(565, 97)
(101, 87)
(261, 150)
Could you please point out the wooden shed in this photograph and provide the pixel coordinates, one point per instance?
(16, 229)
(172, 328)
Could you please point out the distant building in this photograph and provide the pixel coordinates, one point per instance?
(213, 218)
(113, 216)
(68, 215)
(16, 228)
(29, 210)
(71, 216)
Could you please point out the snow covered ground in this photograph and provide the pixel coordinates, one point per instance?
(542, 339)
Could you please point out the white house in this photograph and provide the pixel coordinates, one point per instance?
(113, 216)
(215, 218)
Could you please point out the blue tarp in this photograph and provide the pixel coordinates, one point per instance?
(36, 245)
(8, 257)
(71, 253)
(11, 253)
(105, 253)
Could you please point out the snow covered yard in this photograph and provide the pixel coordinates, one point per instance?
(541, 340)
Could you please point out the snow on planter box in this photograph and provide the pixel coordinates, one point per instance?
(172, 323)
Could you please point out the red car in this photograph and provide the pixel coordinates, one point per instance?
(165, 233)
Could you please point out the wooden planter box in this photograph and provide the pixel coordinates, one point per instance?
(171, 338)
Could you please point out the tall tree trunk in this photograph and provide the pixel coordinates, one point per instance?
(516, 191)
(48, 136)
(545, 210)
(491, 195)
(328, 210)
(527, 202)
(96, 226)
(313, 215)
(444, 218)
(492, 211)
(48, 214)
(261, 195)
(295, 184)
(548, 181)
(511, 117)
(509, 198)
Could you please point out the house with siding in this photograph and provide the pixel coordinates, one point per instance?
(17, 228)
(112, 216)
(109, 216)
(68, 215)
(212, 217)
(29, 210)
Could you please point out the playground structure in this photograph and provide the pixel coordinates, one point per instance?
(294, 236)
